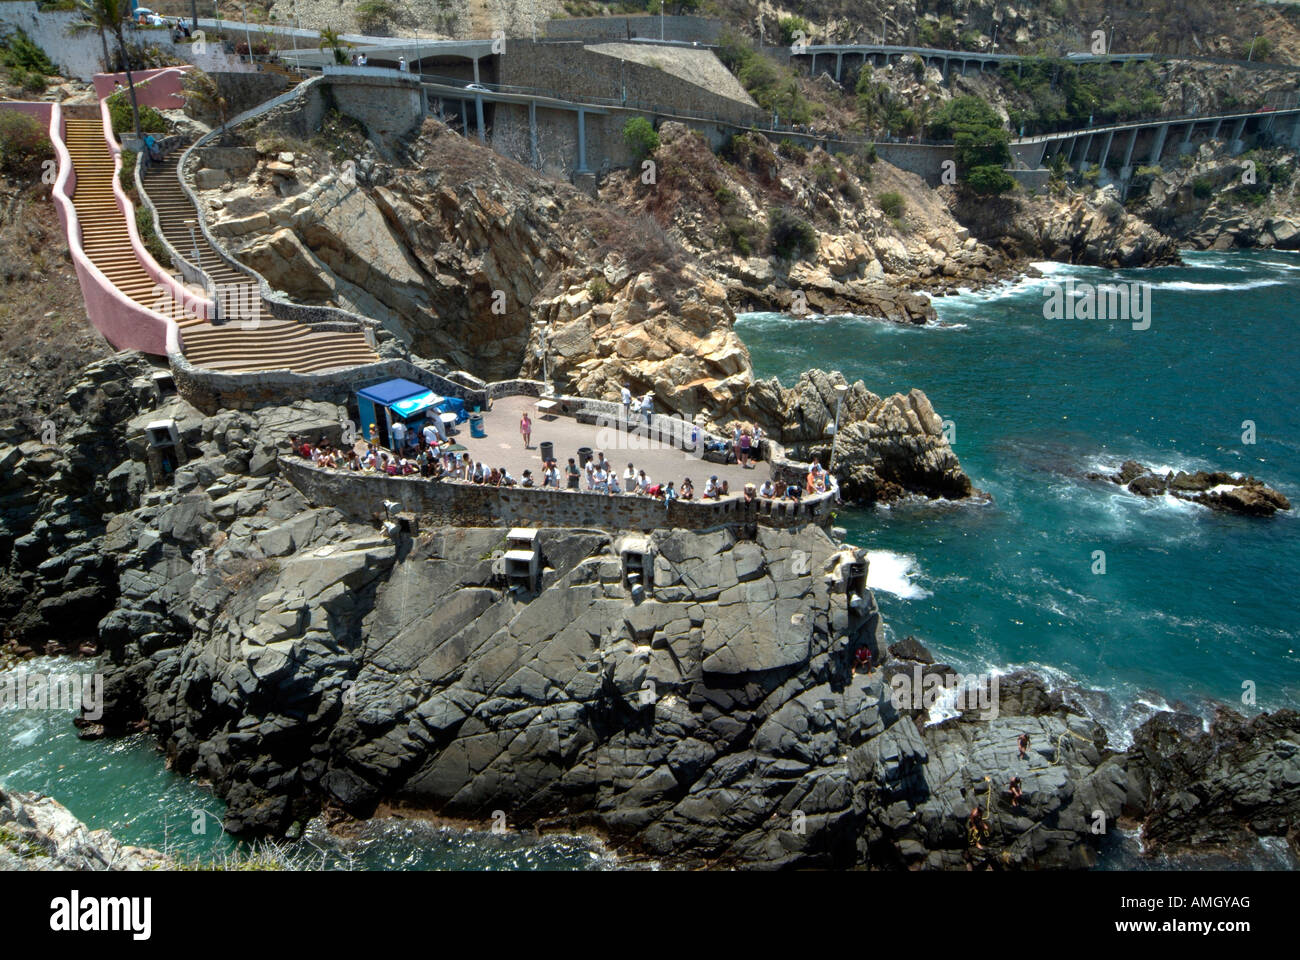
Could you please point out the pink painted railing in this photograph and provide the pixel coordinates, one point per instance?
(126, 324)
(196, 304)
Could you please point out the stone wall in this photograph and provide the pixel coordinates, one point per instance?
(243, 91)
(925, 160)
(361, 496)
(389, 107)
(570, 71)
(682, 29)
(212, 390)
(80, 54)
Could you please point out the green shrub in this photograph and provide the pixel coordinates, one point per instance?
(791, 26)
(119, 112)
(980, 144)
(791, 150)
(598, 290)
(891, 204)
(29, 80)
(372, 14)
(788, 235)
(149, 237)
(19, 53)
(24, 144)
(640, 137)
(126, 176)
(1202, 188)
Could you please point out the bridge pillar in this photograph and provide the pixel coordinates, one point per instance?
(1087, 145)
(476, 69)
(582, 142)
(478, 116)
(464, 118)
(839, 66)
(1105, 149)
(1160, 143)
(1069, 154)
(532, 135)
(1295, 130)
(812, 70)
(1214, 134)
(1235, 145)
(1126, 168)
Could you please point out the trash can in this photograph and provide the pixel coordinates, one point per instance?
(584, 456)
(548, 450)
(476, 425)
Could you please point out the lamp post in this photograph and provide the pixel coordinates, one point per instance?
(543, 341)
(248, 39)
(840, 390)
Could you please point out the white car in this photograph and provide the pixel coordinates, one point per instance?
(477, 86)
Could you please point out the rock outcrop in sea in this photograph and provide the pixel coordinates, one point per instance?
(1225, 492)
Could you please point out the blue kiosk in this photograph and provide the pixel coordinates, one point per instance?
(383, 404)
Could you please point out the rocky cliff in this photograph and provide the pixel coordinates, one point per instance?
(465, 255)
(741, 709)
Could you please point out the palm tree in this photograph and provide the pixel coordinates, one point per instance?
(330, 38)
(110, 15)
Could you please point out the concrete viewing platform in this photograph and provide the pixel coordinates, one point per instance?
(662, 461)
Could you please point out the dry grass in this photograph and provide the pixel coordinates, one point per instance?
(45, 338)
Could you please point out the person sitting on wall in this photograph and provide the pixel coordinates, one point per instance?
(655, 490)
(711, 489)
(792, 492)
(750, 493)
(642, 482)
(527, 481)
(669, 494)
(688, 489)
(494, 478)
(551, 476)
(767, 491)
(614, 486)
(506, 479)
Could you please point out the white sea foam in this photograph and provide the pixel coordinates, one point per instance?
(894, 573)
(1198, 285)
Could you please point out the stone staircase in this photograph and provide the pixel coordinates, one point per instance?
(104, 234)
(241, 345)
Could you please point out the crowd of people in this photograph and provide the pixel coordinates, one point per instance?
(428, 454)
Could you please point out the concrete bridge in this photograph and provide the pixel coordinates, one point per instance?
(832, 58)
(1120, 146)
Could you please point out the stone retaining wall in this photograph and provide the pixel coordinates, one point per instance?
(676, 28)
(361, 496)
(212, 390)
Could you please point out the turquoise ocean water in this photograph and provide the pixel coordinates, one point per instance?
(1192, 604)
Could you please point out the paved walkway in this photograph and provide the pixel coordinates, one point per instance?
(504, 447)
